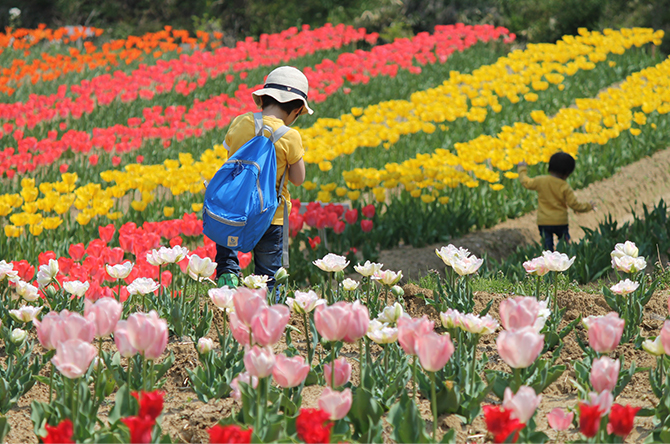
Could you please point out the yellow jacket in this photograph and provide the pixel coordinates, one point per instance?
(554, 196)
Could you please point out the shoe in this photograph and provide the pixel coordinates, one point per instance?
(228, 279)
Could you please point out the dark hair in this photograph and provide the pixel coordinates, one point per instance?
(562, 164)
(287, 107)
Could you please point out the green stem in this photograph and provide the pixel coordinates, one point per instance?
(130, 364)
(555, 290)
(99, 369)
(118, 291)
(433, 403)
(517, 379)
(414, 391)
(360, 360)
(386, 296)
(74, 405)
(537, 287)
(258, 402)
(309, 346)
(386, 361)
(472, 364)
(225, 338)
(144, 372)
(332, 364)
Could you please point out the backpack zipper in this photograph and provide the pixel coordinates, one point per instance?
(220, 219)
(258, 182)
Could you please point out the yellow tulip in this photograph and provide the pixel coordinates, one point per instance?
(443, 200)
(115, 215)
(353, 195)
(51, 223)
(324, 196)
(13, 231)
(308, 185)
(340, 191)
(196, 207)
(329, 187)
(138, 205)
(426, 198)
(325, 166)
(168, 211)
(36, 230)
(83, 218)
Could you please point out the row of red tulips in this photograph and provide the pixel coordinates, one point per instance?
(177, 123)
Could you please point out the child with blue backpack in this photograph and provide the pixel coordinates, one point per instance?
(282, 99)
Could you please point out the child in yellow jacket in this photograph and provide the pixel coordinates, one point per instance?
(554, 196)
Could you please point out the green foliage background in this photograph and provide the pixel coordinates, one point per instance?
(531, 20)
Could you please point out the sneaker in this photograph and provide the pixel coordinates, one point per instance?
(228, 279)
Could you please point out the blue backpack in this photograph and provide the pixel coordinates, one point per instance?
(242, 198)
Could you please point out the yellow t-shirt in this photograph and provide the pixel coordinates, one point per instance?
(554, 196)
(289, 150)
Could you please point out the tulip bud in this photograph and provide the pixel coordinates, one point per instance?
(18, 336)
(205, 345)
(281, 276)
(339, 276)
(397, 291)
(50, 292)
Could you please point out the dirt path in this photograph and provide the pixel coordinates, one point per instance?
(642, 183)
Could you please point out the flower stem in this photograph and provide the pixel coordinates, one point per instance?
(51, 381)
(258, 406)
(332, 363)
(517, 379)
(414, 391)
(130, 364)
(360, 360)
(434, 403)
(537, 287)
(309, 346)
(472, 368)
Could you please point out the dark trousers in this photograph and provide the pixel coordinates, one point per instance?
(267, 256)
(547, 232)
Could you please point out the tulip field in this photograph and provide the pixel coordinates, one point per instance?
(113, 328)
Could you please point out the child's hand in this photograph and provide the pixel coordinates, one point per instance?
(521, 164)
(593, 206)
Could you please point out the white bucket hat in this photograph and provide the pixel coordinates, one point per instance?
(284, 84)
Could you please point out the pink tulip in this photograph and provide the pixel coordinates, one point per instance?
(104, 314)
(522, 404)
(410, 329)
(240, 331)
(519, 312)
(342, 372)
(47, 330)
(520, 348)
(605, 373)
(269, 323)
(358, 323)
(332, 322)
(336, 404)
(559, 420)
(244, 377)
(259, 361)
(434, 350)
(247, 303)
(605, 332)
(289, 372)
(122, 340)
(148, 334)
(75, 326)
(73, 357)
(665, 337)
(604, 400)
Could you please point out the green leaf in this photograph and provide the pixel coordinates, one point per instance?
(408, 426)
(449, 437)
(365, 412)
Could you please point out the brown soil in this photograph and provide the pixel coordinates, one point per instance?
(645, 182)
(186, 419)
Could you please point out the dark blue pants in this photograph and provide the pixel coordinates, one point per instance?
(547, 232)
(267, 256)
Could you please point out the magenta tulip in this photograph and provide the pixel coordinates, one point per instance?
(122, 340)
(247, 303)
(73, 357)
(342, 372)
(520, 348)
(522, 404)
(410, 329)
(332, 322)
(269, 323)
(148, 334)
(517, 313)
(559, 420)
(434, 350)
(665, 337)
(336, 404)
(259, 361)
(605, 332)
(604, 374)
(358, 323)
(104, 314)
(289, 372)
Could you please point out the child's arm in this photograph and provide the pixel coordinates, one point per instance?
(526, 182)
(296, 172)
(576, 205)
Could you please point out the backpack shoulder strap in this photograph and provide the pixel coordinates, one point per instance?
(279, 133)
(258, 124)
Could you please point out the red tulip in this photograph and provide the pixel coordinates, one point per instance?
(366, 226)
(501, 424)
(313, 426)
(140, 428)
(61, 434)
(151, 403)
(219, 434)
(351, 216)
(621, 420)
(368, 211)
(76, 252)
(589, 419)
